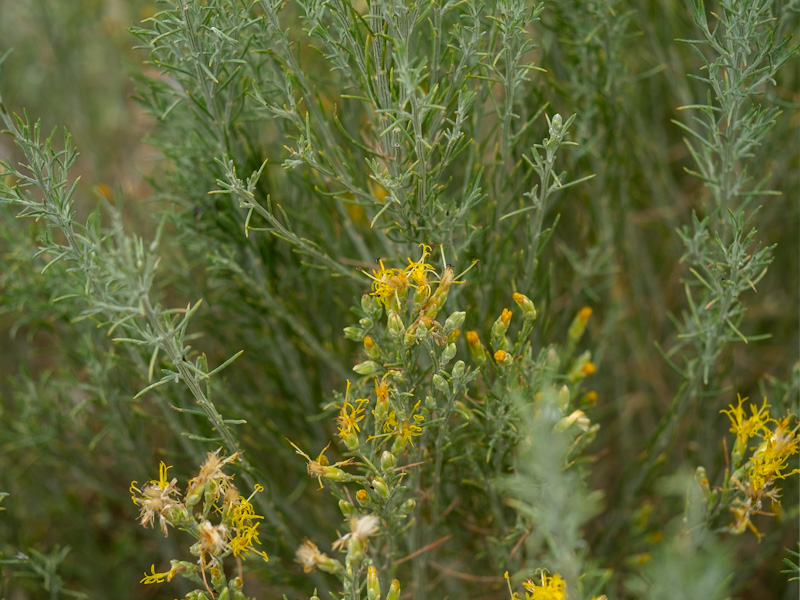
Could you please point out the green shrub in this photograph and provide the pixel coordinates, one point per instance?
(470, 294)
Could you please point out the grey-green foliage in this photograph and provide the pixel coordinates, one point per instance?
(300, 141)
(741, 58)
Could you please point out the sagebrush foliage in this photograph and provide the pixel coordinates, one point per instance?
(461, 288)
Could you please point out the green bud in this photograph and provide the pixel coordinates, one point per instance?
(447, 354)
(526, 304)
(440, 383)
(458, 370)
(366, 323)
(499, 329)
(347, 508)
(394, 590)
(366, 368)
(454, 321)
(355, 334)
(430, 402)
(379, 485)
(372, 306)
(373, 585)
(388, 461)
(563, 398)
(407, 507)
(395, 325)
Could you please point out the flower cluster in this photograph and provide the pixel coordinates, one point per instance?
(213, 511)
(755, 476)
(549, 587)
(390, 286)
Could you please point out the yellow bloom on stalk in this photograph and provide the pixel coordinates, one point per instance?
(769, 459)
(157, 577)
(350, 415)
(745, 428)
(387, 283)
(243, 522)
(550, 588)
(417, 272)
(391, 284)
(405, 430)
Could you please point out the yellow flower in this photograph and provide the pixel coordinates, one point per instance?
(406, 429)
(156, 577)
(417, 272)
(388, 284)
(769, 459)
(550, 588)
(745, 428)
(242, 522)
(349, 416)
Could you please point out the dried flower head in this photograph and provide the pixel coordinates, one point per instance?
(156, 499)
(361, 528)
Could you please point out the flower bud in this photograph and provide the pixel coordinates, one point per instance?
(526, 304)
(581, 367)
(499, 329)
(372, 349)
(379, 485)
(368, 367)
(454, 321)
(373, 585)
(408, 506)
(563, 398)
(430, 402)
(355, 334)
(458, 370)
(395, 324)
(394, 590)
(576, 418)
(476, 350)
(362, 496)
(440, 383)
(503, 358)
(388, 461)
(347, 508)
(366, 323)
(578, 324)
(447, 354)
(372, 306)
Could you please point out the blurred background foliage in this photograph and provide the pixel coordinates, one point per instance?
(72, 437)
